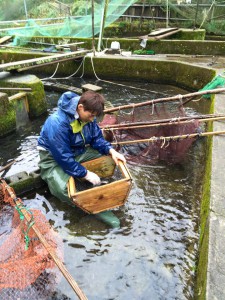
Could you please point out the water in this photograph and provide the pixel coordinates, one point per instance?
(153, 255)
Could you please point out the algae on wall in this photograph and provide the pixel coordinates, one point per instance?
(202, 264)
(36, 98)
(163, 71)
(7, 115)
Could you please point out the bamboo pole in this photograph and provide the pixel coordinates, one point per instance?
(42, 60)
(104, 14)
(169, 138)
(15, 89)
(49, 249)
(7, 166)
(172, 120)
(166, 99)
(127, 126)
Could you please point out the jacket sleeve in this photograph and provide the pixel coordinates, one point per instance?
(98, 142)
(59, 146)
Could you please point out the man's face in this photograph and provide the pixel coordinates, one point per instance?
(85, 115)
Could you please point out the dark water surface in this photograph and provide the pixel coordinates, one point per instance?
(153, 255)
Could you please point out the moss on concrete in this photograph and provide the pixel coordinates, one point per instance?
(184, 75)
(202, 264)
(124, 28)
(155, 70)
(7, 116)
(36, 98)
(190, 34)
(187, 42)
(26, 184)
(187, 47)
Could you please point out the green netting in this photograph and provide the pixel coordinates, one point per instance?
(218, 81)
(80, 27)
(184, 14)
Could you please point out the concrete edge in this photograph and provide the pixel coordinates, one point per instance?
(216, 249)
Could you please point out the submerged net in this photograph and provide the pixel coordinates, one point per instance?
(26, 268)
(167, 116)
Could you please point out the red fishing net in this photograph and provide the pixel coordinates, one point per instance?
(25, 263)
(153, 133)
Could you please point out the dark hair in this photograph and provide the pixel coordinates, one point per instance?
(93, 102)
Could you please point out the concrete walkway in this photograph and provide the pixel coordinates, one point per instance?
(216, 255)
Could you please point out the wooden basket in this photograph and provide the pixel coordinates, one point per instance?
(104, 197)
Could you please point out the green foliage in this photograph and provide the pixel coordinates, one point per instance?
(144, 52)
(215, 27)
(10, 10)
(44, 10)
(84, 7)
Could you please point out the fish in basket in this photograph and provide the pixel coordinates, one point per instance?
(109, 194)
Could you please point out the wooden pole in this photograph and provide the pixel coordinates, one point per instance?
(169, 138)
(127, 126)
(7, 166)
(166, 99)
(196, 14)
(15, 89)
(42, 60)
(178, 119)
(49, 249)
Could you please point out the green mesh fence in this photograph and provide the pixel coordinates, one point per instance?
(80, 27)
(209, 16)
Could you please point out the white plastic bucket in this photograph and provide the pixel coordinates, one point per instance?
(115, 45)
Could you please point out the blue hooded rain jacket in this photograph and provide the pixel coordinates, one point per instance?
(60, 137)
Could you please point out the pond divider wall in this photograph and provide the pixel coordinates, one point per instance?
(168, 46)
(210, 280)
(16, 109)
(118, 68)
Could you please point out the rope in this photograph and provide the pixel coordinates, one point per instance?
(26, 236)
(19, 206)
(153, 107)
(52, 74)
(197, 100)
(164, 141)
(83, 68)
(51, 77)
(169, 138)
(120, 84)
(180, 99)
(94, 68)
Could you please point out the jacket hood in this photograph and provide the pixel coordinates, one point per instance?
(68, 103)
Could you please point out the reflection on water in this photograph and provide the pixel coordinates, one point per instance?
(153, 255)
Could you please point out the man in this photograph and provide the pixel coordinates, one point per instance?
(69, 136)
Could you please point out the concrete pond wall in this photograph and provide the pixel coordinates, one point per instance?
(209, 272)
(12, 104)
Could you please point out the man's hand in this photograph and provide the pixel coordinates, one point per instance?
(116, 156)
(93, 178)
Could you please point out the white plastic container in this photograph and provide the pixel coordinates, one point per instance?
(115, 45)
